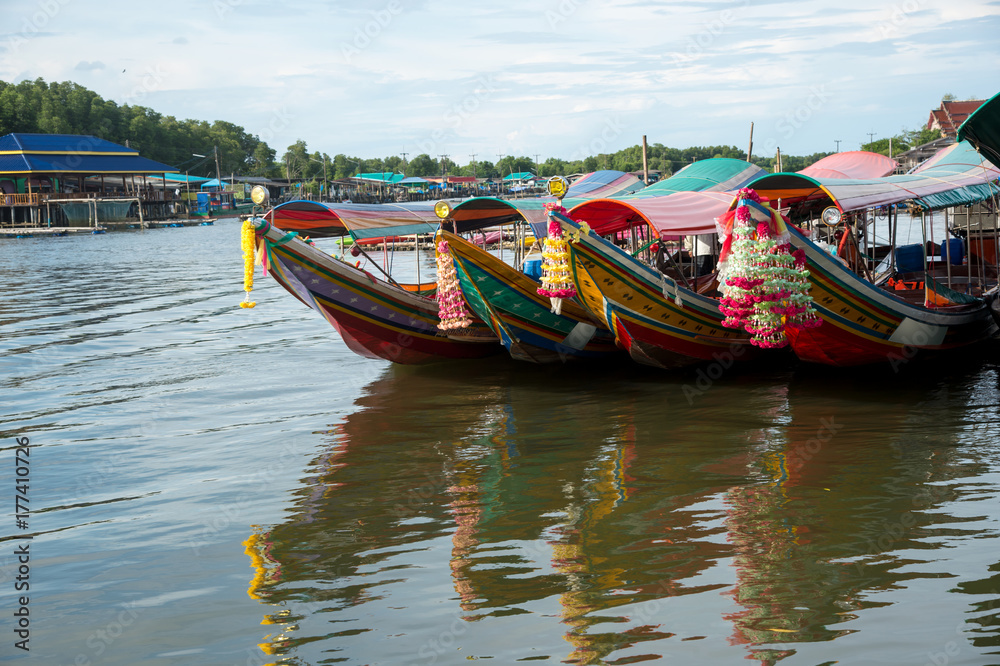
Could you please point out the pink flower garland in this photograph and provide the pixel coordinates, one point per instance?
(765, 291)
(451, 305)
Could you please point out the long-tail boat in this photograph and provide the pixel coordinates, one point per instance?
(377, 318)
(663, 319)
(505, 297)
(509, 302)
(888, 317)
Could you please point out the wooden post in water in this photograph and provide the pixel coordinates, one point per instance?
(893, 221)
(947, 241)
(750, 147)
(923, 238)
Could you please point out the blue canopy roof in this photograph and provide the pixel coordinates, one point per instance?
(71, 154)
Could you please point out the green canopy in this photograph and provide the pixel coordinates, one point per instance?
(982, 130)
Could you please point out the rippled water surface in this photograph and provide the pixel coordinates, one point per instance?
(211, 485)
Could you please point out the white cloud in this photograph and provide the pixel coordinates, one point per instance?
(680, 72)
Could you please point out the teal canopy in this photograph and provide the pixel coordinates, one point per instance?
(719, 174)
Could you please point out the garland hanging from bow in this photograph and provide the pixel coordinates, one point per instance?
(557, 280)
(249, 245)
(765, 286)
(451, 305)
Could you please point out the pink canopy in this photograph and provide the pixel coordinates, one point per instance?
(676, 214)
(851, 164)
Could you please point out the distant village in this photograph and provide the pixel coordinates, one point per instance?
(66, 181)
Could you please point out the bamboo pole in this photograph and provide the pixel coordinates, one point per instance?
(982, 254)
(893, 223)
(947, 241)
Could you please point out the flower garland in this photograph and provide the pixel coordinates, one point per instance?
(247, 242)
(557, 281)
(765, 288)
(451, 305)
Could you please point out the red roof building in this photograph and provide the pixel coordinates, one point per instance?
(951, 115)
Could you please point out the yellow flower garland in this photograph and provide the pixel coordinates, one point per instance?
(248, 245)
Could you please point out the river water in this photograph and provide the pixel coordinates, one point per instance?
(211, 485)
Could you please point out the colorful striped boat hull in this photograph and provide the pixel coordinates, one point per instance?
(863, 324)
(640, 306)
(375, 318)
(509, 302)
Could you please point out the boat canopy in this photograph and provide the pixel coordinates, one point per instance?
(982, 130)
(357, 220)
(685, 203)
(676, 214)
(717, 174)
(956, 175)
(851, 164)
(480, 212)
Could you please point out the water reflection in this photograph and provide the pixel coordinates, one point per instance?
(611, 522)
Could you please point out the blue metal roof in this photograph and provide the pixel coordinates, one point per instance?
(71, 153)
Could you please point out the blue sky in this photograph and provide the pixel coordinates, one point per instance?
(561, 78)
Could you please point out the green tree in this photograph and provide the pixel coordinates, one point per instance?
(296, 160)
(422, 165)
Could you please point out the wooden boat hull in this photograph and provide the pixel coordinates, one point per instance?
(863, 324)
(376, 319)
(509, 302)
(640, 306)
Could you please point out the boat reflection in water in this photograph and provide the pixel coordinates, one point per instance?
(532, 517)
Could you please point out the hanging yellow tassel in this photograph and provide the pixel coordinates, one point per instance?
(248, 244)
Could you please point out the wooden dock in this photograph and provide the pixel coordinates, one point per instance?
(48, 232)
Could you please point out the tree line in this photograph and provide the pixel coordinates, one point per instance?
(69, 108)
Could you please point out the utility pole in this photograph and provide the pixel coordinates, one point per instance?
(473, 156)
(871, 137)
(444, 174)
(837, 141)
(537, 169)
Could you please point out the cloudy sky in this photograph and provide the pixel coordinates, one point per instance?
(560, 78)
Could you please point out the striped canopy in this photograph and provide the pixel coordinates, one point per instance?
(955, 175)
(358, 220)
(480, 212)
(982, 130)
(686, 203)
(718, 174)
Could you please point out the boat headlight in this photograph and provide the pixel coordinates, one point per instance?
(259, 195)
(557, 186)
(442, 209)
(832, 216)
